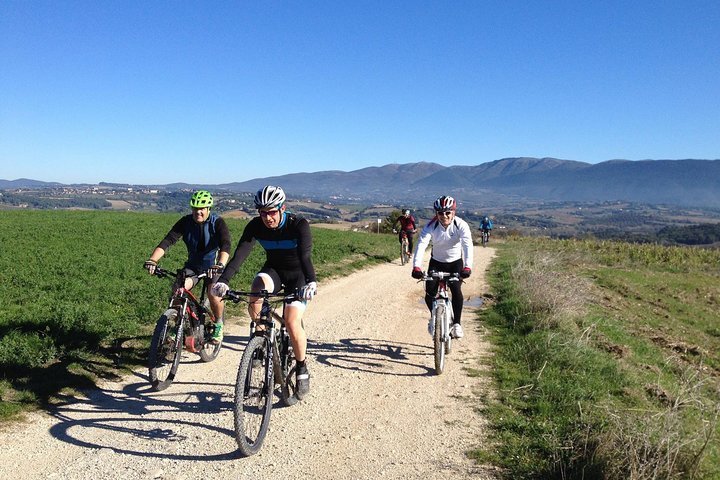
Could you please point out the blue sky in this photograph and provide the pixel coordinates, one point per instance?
(215, 92)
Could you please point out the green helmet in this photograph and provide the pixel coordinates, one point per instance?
(201, 199)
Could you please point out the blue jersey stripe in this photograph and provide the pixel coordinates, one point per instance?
(278, 244)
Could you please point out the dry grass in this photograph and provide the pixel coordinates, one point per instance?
(665, 443)
(555, 296)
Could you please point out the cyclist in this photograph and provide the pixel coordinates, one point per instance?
(452, 252)
(288, 266)
(408, 226)
(486, 225)
(207, 238)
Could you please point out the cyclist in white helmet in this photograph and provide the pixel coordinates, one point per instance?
(452, 252)
(288, 266)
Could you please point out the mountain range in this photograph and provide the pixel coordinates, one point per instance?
(675, 182)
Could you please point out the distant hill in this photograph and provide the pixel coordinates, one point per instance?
(27, 183)
(675, 182)
(679, 182)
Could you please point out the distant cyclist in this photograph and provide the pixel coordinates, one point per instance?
(452, 252)
(207, 238)
(288, 266)
(486, 225)
(408, 226)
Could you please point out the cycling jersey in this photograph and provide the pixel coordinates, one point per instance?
(448, 244)
(486, 225)
(407, 224)
(203, 240)
(288, 247)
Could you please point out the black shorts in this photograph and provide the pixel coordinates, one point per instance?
(192, 274)
(289, 281)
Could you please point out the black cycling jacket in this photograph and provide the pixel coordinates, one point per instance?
(287, 247)
(203, 241)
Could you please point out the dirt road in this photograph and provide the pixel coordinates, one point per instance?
(376, 408)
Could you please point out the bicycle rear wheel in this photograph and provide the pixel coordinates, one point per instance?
(438, 343)
(287, 393)
(253, 396)
(165, 351)
(209, 351)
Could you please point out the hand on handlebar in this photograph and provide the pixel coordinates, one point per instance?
(465, 272)
(417, 273)
(308, 291)
(219, 289)
(215, 270)
(150, 266)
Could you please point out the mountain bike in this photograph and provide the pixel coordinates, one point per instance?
(267, 362)
(442, 317)
(188, 324)
(485, 237)
(404, 248)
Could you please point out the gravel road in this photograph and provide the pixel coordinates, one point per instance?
(376, 408)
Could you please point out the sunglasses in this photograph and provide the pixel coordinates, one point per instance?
(447, 214)
(269, 213)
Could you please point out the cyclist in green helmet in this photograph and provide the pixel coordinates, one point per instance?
(208, 242)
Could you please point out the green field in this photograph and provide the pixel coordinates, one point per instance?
(606, 356)
(76, 304)
(606, 362)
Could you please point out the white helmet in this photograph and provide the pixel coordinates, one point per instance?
(406, 212)
(269, 197)
(444, 204)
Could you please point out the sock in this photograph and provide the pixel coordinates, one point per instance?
(301, 365)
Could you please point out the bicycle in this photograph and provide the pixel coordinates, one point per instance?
(442, 317)
(187, 324)
(268, 361)
(404, 248)
(485, 237)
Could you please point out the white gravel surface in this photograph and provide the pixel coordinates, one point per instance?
(376, 409)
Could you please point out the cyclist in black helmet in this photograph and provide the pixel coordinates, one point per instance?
(207, 238)
(288, 266)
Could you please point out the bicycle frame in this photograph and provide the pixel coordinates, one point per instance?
(189, 307)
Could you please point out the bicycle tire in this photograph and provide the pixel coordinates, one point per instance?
(438, 343)
(287, 392)
(209, 351)
(253, 396)
(165, 351)
(403, 252)
(448, 342)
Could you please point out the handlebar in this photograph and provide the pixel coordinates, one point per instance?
(162, 273)
(237, 296)
(451, 277)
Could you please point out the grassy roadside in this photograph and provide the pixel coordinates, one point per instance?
(607, 361)
(76, 305)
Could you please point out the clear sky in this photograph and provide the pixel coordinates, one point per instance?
(213, 92)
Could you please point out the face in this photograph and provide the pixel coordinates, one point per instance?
(445, 218)
(200, 214)
(271, 216)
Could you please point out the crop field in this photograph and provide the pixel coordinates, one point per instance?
(76, 304)
(607, 360)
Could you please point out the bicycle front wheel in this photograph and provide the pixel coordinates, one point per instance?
(438, 340)
(165, 351)
(253, 396)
